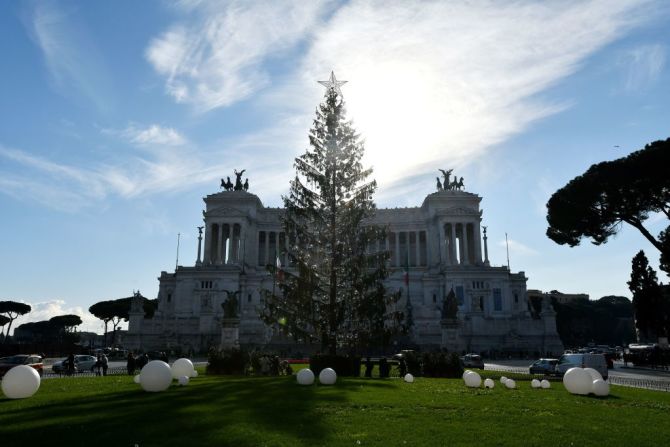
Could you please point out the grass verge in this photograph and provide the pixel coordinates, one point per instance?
(241, 411)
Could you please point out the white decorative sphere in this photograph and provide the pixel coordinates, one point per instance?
(489, 383)
(595, 375)
(20, 382)
(577, 381)
(535, 383)
(510, 383)
(545, 384)
(473, 380)
(305, 377)
(183, 380)
(600, 388)
(503, 379)
(156, 376)
(136, 379)
(327, 377)
(182, 367)
(194, 373)
(465, 373)
(409, 378)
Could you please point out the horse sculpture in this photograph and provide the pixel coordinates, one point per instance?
(227, 185)
(446, 175)
(238, 180)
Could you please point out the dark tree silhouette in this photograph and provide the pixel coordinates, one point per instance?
(115, 311)
(3, 321)
(12, 310)
(332, 291)
(648, 303)
(609, 194)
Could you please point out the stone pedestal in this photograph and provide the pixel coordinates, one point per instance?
(230, 333)
(451, 337)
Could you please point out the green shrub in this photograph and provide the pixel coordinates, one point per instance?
(227, 361)
(344, 365)
(440, 364)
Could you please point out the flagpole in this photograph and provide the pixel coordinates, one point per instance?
(507, 245)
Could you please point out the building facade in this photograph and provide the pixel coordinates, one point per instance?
(442, 240)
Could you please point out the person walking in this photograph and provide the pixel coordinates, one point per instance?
(131, 364)
(70, 364)
(104, 362)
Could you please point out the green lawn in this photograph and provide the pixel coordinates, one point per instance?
(236, 411)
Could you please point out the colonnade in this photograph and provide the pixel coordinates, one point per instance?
(407, 247)
(272, 245)
(460, 243)
(224, 243)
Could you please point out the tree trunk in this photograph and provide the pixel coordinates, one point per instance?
(11, 320)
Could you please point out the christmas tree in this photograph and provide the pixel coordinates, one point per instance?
(332, 291)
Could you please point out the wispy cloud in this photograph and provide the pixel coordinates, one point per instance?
(76, 66)
(430, 83)
(217, 58)
(643, 66)
(516, 247)
(153, 135)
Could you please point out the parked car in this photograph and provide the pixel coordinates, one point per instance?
(472, 361)
(544, 366)
(81, 363)
(595, 361)
(32, 360)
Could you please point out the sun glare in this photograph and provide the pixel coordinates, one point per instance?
(397, 116)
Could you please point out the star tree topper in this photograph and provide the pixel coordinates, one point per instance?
(333, 83)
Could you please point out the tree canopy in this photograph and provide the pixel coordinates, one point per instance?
(627, 190)
(608, 320)
(12, 310)
(3, 321)
(331, 290)
(652, 308)
(115, 311)
(66, 322)
(111, 311)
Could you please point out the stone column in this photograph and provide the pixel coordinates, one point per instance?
(242, 249)
(452, 244)
(231, 251)
(208, 243)
(199, 261)
(397, 249)
(478, 243)
(267, 247)
(219, 245)
(442, 246)
(418, 248)
(466, 252)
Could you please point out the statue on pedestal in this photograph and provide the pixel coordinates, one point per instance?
(231, 305)
(238, 180)
(450, 306)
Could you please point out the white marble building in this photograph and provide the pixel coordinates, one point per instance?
(446, 250)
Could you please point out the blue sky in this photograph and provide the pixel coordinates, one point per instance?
(118, 117)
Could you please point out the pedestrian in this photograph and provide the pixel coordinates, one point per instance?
(368, 367)
(98, 365)
(131, 364)
(70, 364)
(104, 363)
(142, 360)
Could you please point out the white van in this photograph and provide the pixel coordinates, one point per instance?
(595, 361)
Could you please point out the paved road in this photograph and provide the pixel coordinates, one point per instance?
(619, 375)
